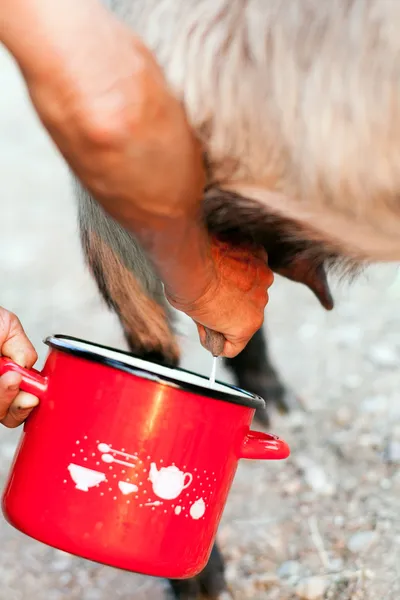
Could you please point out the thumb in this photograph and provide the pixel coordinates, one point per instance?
(20, 410)
(230, 349)
(14, 342)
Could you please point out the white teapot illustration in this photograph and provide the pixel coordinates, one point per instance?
(169, 482)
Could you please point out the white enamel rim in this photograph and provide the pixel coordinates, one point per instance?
(179, 376)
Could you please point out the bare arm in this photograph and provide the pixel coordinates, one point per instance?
(104, 100)
(86, 104)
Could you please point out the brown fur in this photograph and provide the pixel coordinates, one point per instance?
(144, 321)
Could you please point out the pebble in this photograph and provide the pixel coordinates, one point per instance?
(315, 476)
(362, 541)
(344, 416)
(370, 440)
(338, 520)
(265, 580)
(225, 596)
(347, 575)
(392, 452)
(291, 487)
(289, 569)
(347, 336)
(313, 588)
(386, 484)
(382, 356)
(335, 564)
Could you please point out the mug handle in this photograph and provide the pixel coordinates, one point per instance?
(264, 446)
(32, 381)
(189, 480)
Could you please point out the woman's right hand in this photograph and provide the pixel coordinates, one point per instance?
(234, 301)
(15, 406)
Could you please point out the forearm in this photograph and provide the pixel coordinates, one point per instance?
(104, 100)
(180, 250)
(40, 32)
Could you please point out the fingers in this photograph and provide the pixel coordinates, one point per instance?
(14, 342)
(232, 347)
(17, 405)
(9, 388)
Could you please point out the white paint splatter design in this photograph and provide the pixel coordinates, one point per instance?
(197, 509)
(127, 488)
(85, 478)
(169, 482)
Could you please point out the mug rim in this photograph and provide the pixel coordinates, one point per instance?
(65, 343)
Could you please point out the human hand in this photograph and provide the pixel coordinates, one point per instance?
(15, 406)
(234, 302)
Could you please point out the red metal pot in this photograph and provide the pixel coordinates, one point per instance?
(126, 462)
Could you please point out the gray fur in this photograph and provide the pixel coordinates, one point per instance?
(297, 106)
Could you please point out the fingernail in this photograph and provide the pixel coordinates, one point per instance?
(25, 401)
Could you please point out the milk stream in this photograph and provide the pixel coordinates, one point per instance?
(213, 371)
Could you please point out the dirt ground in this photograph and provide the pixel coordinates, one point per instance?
(325, 523)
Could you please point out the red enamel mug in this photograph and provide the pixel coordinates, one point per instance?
(126, 462)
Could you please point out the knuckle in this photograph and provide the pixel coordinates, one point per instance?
(19, 414)
(258, 322)
(31, 357)
(13, 317)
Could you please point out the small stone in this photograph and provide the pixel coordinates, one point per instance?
(338, 520)
(362, 541)
(312, 588)
(385, 484)
(289, 569)
(335, 565)
(347, 336)
(382, 356)
(263, 581)
(231, 573)
(296, 419)
(370, 440)
(392, 452)
(291, 487)
(343, 416)
(350, 483)
(225, 596)
(315, 476)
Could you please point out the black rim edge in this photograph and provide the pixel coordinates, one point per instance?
(56, 341)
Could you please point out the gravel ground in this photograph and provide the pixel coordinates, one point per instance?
(325, 523)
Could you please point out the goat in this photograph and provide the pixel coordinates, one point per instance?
(296, 105)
